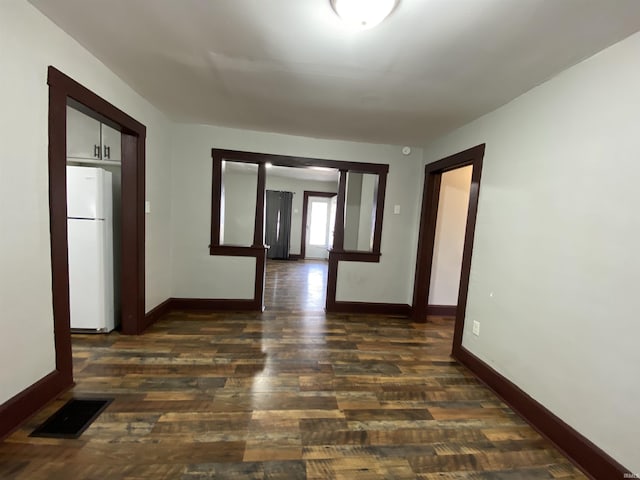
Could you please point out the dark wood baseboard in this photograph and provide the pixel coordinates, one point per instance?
(241, 305)
(292, 256)
(442, 310)
(157, 312)
(581, 451)
(31, 400)
(399, 309)
(214, 304)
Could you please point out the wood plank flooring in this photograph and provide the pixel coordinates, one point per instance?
(291, 393)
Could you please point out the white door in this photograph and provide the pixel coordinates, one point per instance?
(318, 226)
(83, 135)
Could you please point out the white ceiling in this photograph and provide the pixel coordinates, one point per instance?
(290, 66)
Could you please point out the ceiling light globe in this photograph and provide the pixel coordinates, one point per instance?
(363, 14)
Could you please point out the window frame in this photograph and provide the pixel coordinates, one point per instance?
(258, 250)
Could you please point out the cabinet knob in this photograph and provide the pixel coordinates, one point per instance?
(107, 152)
(96, 151)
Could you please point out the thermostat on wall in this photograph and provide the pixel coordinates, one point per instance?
(406, 150)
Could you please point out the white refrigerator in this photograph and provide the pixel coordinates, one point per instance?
(90, 237)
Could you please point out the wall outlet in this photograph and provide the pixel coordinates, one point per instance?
(396, 209)
(476, 328)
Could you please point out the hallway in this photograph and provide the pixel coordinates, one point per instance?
(295, 286)
(291, 393)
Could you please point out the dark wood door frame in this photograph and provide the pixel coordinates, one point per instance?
(581, 451)
(426, 239)
(305, 204)
(62, 88)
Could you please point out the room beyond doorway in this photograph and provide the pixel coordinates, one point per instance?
(296, 286)
(427, 236)
(451, 220)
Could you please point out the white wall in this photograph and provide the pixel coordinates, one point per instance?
(197, 274)
(29, 42)
(237, 222)
(367, 220)
(556, 266)
(353, 199)
(449, 242)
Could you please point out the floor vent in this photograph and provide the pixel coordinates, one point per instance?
(73, 418)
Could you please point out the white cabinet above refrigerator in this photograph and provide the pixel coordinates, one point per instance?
(89, 139)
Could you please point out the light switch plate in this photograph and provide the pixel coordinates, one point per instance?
(476, 328)
(147, 206)
(396, 209)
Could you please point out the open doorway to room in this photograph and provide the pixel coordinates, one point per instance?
(318, 229)
(299, 224)
(318, 220)
(67, 97)
(447, 226)
(358, 218)
(451, 221)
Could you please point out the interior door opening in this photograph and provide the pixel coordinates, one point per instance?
(451, 220)
(129, 145)
(452, 196)
(94, 194)
(297, 284)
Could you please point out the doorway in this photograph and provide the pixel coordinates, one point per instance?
(61, 89)
(318, 223)
(428, 232)
(321, 214)
(451, 220)
(299, 286)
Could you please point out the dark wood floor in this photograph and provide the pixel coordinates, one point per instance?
(295, 287)
(287, 394)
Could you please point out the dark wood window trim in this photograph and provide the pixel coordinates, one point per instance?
(305, 207)
(258, 249)
(234, 250)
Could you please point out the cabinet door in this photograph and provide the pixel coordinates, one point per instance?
(83, 135)
(111, 144)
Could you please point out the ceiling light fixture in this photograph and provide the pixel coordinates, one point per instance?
(362, 14)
